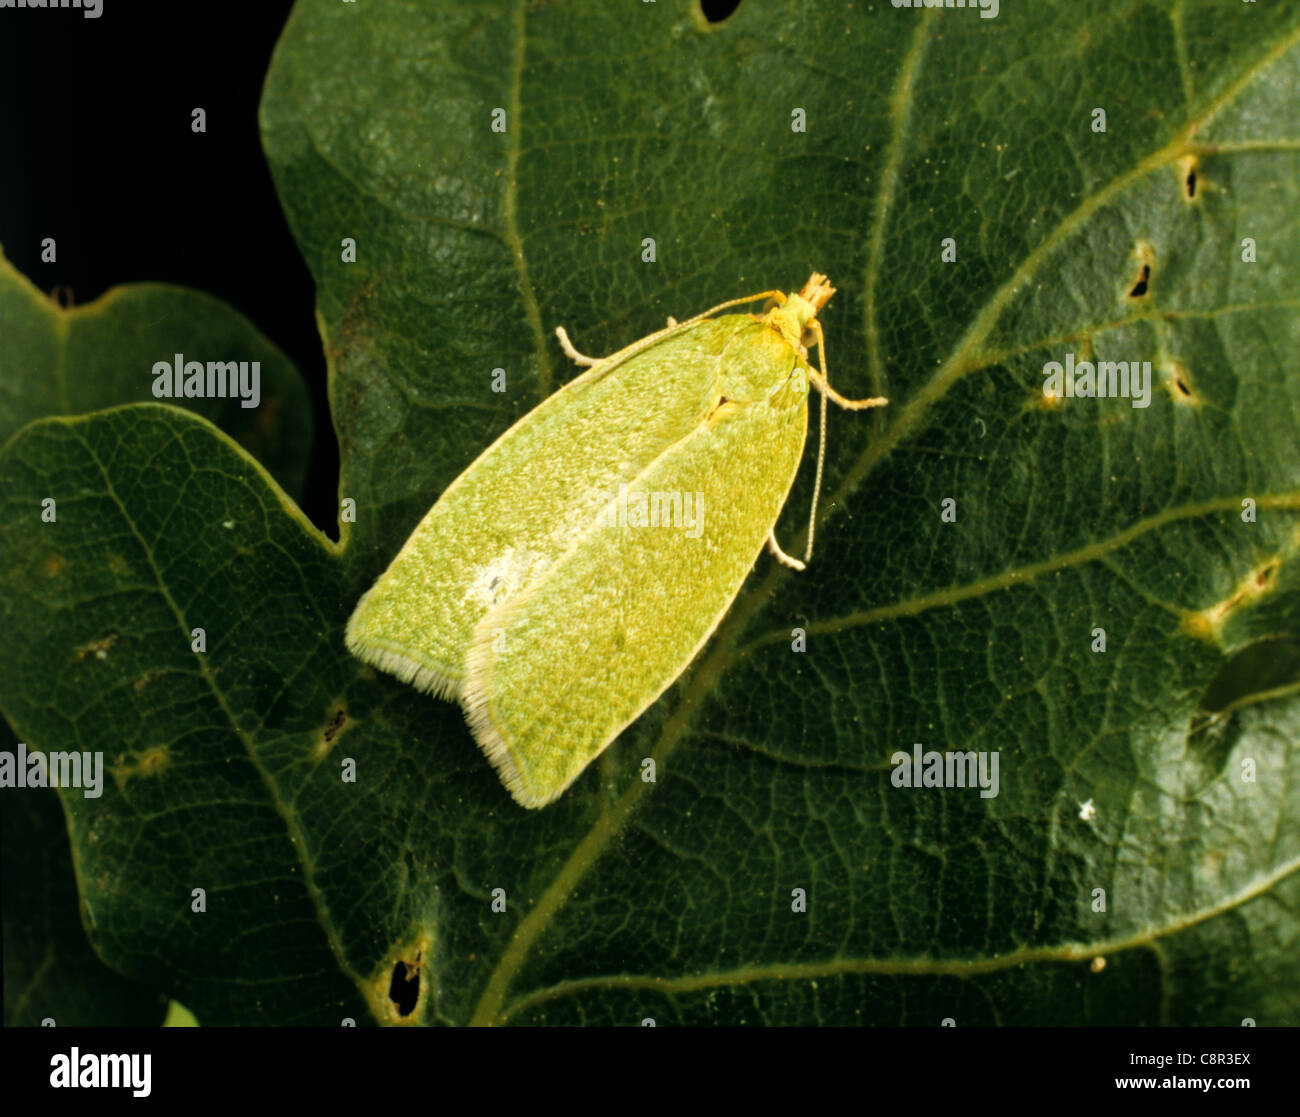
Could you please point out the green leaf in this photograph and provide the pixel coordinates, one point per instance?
(67, 361)
(58, 361)
(51, 972)
(1122, 770)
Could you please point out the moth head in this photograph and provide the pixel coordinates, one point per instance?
(795, 318)
(817, 291)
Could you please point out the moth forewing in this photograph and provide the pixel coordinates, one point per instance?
(511, 511)
(531, 594)
(557, 672)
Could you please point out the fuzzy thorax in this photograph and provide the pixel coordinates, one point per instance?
(792, 316)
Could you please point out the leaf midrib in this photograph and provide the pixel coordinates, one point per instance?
(292, 827)
(706, 677)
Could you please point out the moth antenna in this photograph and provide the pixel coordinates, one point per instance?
(821, 461)
(781, 295)
(647, 341)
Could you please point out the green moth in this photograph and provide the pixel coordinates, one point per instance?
(574, 570)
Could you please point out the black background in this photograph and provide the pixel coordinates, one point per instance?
(98, 153)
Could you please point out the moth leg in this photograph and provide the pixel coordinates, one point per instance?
(781, 556)
(823, 385)
(571, 352)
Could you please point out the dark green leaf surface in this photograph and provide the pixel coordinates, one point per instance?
(673, 901)
(57, 361)
(51, 972)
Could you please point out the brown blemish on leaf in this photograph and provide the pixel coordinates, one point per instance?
(154, 760)
(1207, 624)
(355, 317)
(97, 648)
(54, 566)
(336, 723)
(150, 762)
(1140, 286)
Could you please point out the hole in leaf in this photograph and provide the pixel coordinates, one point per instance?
(404, 988)
(1179, 383)
(715, 11)
(1189, 175)
(1141, 286)
(1177, 380)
